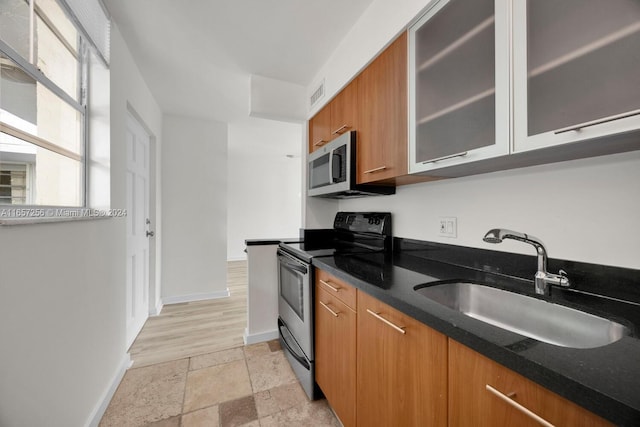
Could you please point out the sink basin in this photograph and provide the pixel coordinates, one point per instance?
(531, 317)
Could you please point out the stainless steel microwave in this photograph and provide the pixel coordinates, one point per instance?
(332, 171)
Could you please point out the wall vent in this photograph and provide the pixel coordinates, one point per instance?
(317, 94)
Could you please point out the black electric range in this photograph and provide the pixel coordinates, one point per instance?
(353, 233)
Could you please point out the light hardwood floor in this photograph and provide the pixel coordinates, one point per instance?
(195, 328)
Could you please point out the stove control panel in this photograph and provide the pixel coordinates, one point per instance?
(364, 222)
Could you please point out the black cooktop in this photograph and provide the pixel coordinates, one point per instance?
(352, 233)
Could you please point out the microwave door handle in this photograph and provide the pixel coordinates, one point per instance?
(336, 169)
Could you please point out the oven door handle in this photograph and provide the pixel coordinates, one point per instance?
(291, 266)
(295, 267)
(301, 359)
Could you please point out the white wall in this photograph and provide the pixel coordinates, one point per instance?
(378, 26)
(62, 322)
(277, 100)
(583, 210)
(264, 186)
(194, 207)
(130, 95)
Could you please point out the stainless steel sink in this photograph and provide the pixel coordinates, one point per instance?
(531, 317)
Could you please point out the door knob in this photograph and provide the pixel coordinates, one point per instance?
(150, 234)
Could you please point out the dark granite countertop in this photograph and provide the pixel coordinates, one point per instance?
(604, 380)
(263, 242)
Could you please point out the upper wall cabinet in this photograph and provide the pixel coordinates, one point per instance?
(320, 128)
(344, 110)
(576, 70)
(459, 84)
(382, 116)
(336, 118)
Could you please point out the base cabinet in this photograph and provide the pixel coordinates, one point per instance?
(335, 349)
(401, 369)
(483, 393)
(379, 367)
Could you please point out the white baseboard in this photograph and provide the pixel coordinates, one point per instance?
(195, 297)
(155, 311)
(261, 337)
(105, 399)
(242, 258)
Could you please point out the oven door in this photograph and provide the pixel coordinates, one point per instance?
(294, 299)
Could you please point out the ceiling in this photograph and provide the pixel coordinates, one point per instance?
(197, 56)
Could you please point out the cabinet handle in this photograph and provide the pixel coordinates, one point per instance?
(518, 406)
(377, 316)
(333, 288)
(451, 156)
(335, 313)
(319, 143)
(598, 122)
(381, 168)
(340, 130)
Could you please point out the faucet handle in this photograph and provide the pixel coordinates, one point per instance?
(560, 279)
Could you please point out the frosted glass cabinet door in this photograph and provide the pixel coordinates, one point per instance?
(459, 83)
(576, 70)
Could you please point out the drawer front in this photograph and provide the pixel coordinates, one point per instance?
(336, 287)
(483, 393)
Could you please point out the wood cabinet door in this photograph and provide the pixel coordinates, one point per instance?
(335, 354)
(382, 115)
(320, 129)
(344, 110)
(401, 369)
(483, 393)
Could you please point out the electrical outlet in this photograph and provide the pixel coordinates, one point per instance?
(448, 226)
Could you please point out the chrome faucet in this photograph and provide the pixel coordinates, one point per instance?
(542, 279)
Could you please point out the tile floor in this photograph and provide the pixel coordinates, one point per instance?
(251, 386)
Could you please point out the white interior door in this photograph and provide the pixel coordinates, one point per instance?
(137, 141)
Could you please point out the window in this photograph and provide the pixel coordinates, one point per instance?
(13, 184)
(43, 113)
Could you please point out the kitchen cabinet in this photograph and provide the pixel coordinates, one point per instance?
(319, 128)
(499, 84)
(382, 115)
(335, 356)
(459, 84)
(484, 393)
(339, 288)
(576, 71)
(344, 110)
(335, 118)
(401, 368)
(378, 366)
